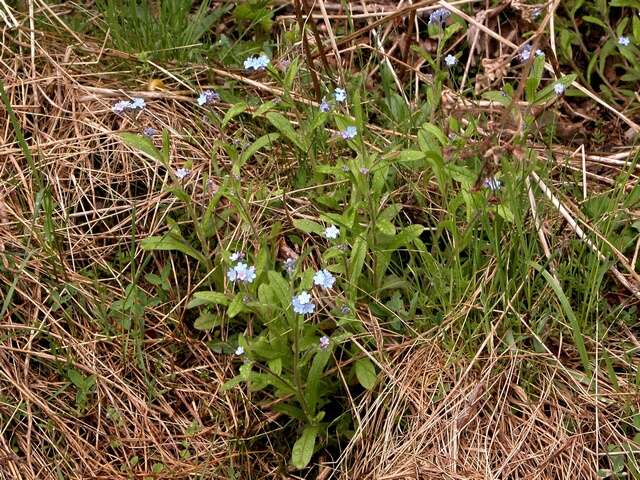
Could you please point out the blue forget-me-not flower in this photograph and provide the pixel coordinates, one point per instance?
(332, 232)
(324, 278)
(302, 303)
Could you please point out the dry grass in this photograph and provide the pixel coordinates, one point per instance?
(154, 397)
(453, 419)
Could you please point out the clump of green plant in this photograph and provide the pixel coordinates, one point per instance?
(166, 30)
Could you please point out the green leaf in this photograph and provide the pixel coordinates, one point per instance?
(406, 236)
(285, 127)
(578, 337)
(206, 321)
(313, 379)
(594, 20)
(356, 261)
(280, 287)
(385, 227)
(144, 145)
(171, 242)
(366, 373)
(263, 141)
(308, 226)
(214, 298)
(533, 82)
(233, 112)
(236, 306)
(436, 132)
(303, 448)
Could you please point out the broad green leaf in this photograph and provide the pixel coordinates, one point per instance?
(233, 112)
(206, 321)
(143, 145)
(263, 141)
(170, 242)
(286, 128)
(407, 235)
(215, 298)
(356, 261)
(280, 288)
(366, 373)
(411, 155)
(303, 448)
(436, 132)
(313, 379)
(236, 306)
(594, 20)
(385, 226)
(308, 226)
(535, 75)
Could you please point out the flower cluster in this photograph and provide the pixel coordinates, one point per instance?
(323, 278)
(132, 105)
(208, 97)
(439, 16)
(340, 95)
(149, 132)
(181, 173)
(558, 88)
(241, 272)
(349, 133)
(302, 303)
(332, 232)
(256, 63)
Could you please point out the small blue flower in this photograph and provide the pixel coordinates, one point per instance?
(138, 103)
(349, 133)
(558, 88)
(525, 52)
(324, 106)
(239, 351)
(340, 95)
(324, 279)
(290, 265)
(492, 183)
(235, 256)
(182, 173)
(242, 273)
(439, 16)
(302, 304)
(536, 13)
(207, 97)
(324, 342)
(332, 232)
(539, 53)
(345, 310)
(364, 170)
(149, 132)
(450, 60)
(624, 41)
(256, 63)
(121, 106)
